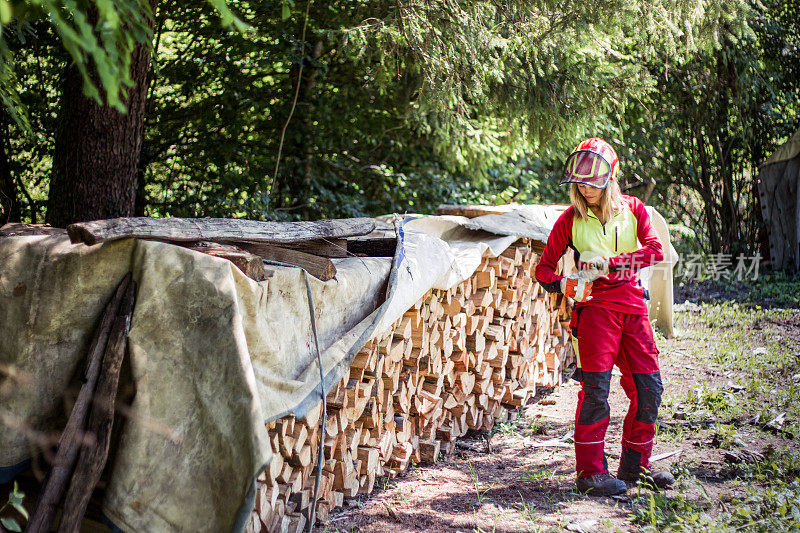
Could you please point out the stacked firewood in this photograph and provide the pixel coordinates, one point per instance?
(459, 359)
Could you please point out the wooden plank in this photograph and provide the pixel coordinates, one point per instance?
(473, 211)
(321, 247)
(69, 442)
(92, 459)
(216, 229)
(321, 268)
(16, 229)
(470, 211)
(372, 246)
(250, 264)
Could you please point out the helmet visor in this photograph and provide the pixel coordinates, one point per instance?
(589, 168)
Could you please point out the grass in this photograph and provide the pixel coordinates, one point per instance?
(769, 501)
(750, 342)
(522, 426)
(659, 513)
(538, 474)
(476, 484)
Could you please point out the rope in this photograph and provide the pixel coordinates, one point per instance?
(321, 455)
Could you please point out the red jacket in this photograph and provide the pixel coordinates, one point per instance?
(621, 290)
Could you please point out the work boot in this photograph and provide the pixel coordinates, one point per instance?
(601, 485)
(661, 479)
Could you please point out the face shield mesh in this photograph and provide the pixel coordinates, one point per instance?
(588, 168)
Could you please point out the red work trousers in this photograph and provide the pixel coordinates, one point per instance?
(603, 338)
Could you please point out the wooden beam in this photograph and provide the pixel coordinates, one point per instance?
(16, 229)
(250, 264)
(216, 229)
(321, 268)
(320, 247)
(70, 441)
(473, 211)
(470, 211)
(93, 458)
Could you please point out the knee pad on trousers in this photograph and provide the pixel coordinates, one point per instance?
(595, 408)
(648, 396)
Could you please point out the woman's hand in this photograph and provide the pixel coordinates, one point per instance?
(594, 268)
(574, 286)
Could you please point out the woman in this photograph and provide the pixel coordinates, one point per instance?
(609, 323)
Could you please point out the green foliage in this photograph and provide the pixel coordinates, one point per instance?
(99, 37)
(771, 502)
(521, 75)
(400, 107)
(778, 288)
(657, 512)
(702, 400)
(714, 117)
(537, 474)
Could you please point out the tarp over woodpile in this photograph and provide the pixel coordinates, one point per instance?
(213, 354)
(779, 195)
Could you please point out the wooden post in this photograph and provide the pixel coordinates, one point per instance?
(69, 442)
(216, 229)
(93, 458)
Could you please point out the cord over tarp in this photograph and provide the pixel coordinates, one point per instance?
(213, 354)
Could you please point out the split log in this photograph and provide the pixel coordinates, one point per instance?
(334, 248)
(216, 229)
(457, 360)
(92, 459)
(17, 229)
(321, 268)
(70, 440)
(250, 264)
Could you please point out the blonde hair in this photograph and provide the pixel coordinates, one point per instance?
(610, 201)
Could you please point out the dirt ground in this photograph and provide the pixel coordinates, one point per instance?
(514, 480)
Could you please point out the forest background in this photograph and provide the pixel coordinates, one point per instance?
(284, 110)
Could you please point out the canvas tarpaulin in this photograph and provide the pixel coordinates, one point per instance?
(213, 354)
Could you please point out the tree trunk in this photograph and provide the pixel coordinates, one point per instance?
(729, 216)
(140, 199)
(10, 209)
(708, 197)
(96, 158)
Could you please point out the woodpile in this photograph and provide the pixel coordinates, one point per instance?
(465, 358)
(460, 359)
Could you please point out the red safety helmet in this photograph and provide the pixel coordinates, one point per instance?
(594, 162)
